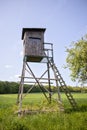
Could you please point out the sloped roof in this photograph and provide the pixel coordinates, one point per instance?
(31, 29)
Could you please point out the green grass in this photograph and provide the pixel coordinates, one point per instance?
(69, 120)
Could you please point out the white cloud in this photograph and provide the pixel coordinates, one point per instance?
(21, 53)
(8, 66)
(16, 76)
(11, 78)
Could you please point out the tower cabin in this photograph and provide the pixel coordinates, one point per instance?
(33, 42)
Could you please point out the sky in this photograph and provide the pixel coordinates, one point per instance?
(65, 21)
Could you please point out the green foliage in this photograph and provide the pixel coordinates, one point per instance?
(8, 87)
(13, 87)
(77, 60)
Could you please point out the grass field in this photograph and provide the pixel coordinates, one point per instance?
(68, 120)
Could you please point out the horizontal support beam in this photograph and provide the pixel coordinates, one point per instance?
(48, 43)
(36, 82)
(37, 78)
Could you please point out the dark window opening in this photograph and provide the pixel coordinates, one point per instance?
(35, 38)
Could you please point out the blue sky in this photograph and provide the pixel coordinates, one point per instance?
(65, 21)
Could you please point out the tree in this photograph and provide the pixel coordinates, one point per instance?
(77, 60)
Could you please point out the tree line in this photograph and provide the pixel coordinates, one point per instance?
(13, 88)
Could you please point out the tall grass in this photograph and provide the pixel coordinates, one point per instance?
(75, 120)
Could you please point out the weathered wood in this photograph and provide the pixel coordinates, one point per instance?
(37, 78)
(33, 44)
(36, 82)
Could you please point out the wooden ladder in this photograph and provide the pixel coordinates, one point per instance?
(64, 87)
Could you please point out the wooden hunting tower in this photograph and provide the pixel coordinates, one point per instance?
(50, 81)
(33, 41)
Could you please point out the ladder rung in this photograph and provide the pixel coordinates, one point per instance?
(63, 85)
